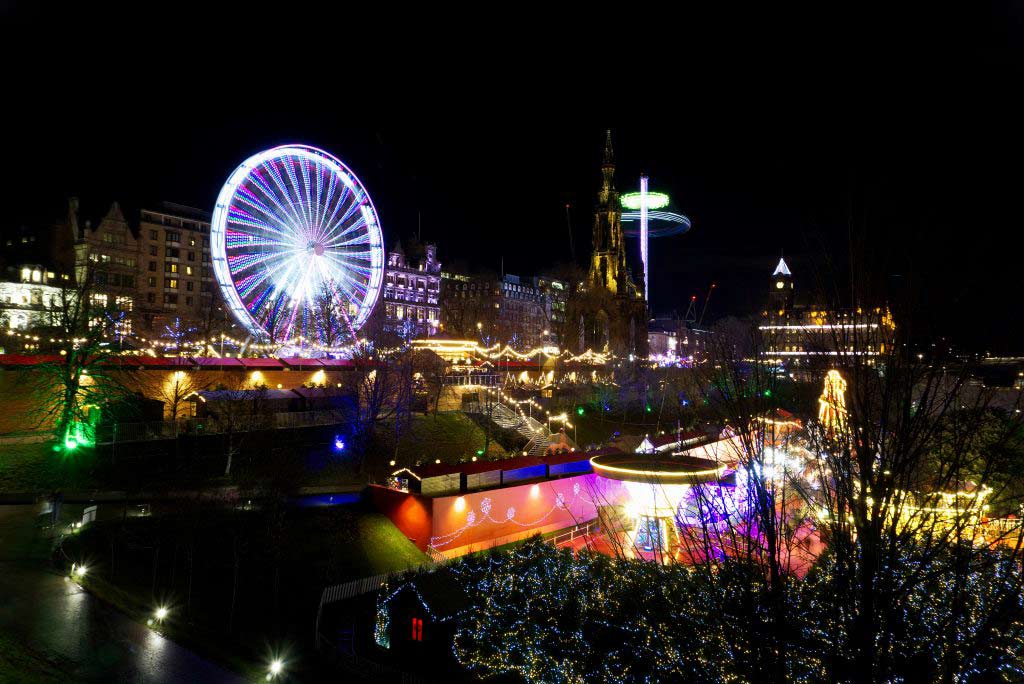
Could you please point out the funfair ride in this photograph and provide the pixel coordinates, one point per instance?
(644, 209)
(297, 249)
(658, 486)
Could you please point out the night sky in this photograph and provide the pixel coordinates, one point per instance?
(918, 161)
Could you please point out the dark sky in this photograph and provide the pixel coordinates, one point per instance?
(916, 155)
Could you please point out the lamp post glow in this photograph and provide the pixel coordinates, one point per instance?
(159, 615)
(275, 668)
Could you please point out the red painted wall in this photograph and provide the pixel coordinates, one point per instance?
(409, 512)
(480, 520)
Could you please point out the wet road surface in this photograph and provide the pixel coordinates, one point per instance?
(77, 632)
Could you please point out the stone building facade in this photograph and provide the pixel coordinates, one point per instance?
(30, 294)
(608, 313)
(177, 283)
(153, 265)
(412, 294)
(802, 335)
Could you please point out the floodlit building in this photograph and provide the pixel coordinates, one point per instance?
(30, 294)
(803, 333)
(412, 293)
(153, 265)
(108, 252)
(671, 340)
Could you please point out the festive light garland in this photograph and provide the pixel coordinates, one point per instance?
(472, 521)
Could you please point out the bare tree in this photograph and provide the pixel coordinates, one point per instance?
(238, 410)
(330, 309)
(81, 381)
(431, 370)
(173, 389)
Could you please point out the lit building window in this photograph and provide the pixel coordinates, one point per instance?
(417, 629)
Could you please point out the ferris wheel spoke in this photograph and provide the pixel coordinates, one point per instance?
(339, 302)
(250, 238)
(358, 239)
(252, 199)
(350, 262)
(270, 224)
(319, 195)
(283, 215)
(286, 197)
(324, 227)
(332, 185)
(270, 190)
(341, 222)
(307, 204)
(293, 189)
(352, 288)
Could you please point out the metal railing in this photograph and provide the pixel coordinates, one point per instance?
(158, 430)
(487, 380)
(571, 535)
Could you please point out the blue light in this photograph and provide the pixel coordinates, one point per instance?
(339, 443)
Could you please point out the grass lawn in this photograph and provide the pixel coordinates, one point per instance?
(365, 543)
(289, 458)
(451, 437)
(595, 428)
(36, 467)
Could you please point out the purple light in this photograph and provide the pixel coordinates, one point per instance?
(643, 230)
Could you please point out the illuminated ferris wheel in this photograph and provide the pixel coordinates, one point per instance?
(297, 247)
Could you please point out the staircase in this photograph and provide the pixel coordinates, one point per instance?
(532, 430)
(537, 432)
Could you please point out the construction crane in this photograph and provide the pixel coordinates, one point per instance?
(691, 312)
(707, 300)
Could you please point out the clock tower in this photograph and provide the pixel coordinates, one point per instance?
(781, 295)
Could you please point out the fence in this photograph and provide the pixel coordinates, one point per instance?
(156, 430)
(571, 535)
(487, 380)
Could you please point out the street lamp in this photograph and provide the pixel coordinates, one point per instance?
(275, 668)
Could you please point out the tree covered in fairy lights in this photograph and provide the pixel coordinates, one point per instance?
(544, 615)
(908, 580)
